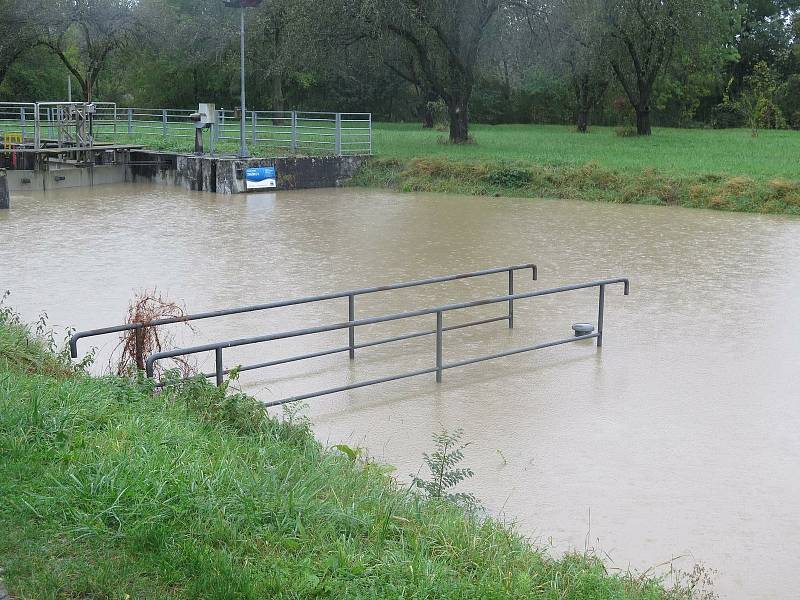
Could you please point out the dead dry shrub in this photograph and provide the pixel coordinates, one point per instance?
(135, 345)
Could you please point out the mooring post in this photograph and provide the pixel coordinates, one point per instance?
(439, 319)
(600, 306)
(351, 316)
(5, 200)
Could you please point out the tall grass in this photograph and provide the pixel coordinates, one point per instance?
(111, 491)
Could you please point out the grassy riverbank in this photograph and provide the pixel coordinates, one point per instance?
(110, 491)
(724, 170)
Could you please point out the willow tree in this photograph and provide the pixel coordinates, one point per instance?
(643, 37)
(444, 38)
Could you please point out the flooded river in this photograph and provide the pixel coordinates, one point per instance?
(678, 438)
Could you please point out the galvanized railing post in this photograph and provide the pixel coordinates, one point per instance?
(370, 134)
(115, 123)
(37, 127)
(22, 121)
(338, 136)
(600, 308)
(294, 131)
(164, 121)
(511, 302)
(221, 132)
(130, 121)
(351, 316)
(439, 320)
(220, 372)
(254, 120)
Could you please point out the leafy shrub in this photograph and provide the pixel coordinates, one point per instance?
(444, 471)
(509, 177)
(728, 115)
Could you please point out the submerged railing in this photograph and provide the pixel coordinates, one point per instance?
(351, 324)
(351, 310)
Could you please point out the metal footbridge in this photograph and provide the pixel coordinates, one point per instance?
(438, 328)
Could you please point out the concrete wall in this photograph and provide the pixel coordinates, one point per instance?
(200, 173)
(68, 177)
(225, 175)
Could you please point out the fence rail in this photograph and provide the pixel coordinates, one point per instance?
(275, 131)
(440, 365)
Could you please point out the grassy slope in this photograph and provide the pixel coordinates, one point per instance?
(111, 492)
(727, 170)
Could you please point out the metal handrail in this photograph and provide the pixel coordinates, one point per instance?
(350, 294)
(439, 311)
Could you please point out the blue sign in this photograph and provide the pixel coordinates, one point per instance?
(260, 173)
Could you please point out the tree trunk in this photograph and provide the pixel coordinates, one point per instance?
(643, 119)
(582, 120)
(459, 120)
(427, 116)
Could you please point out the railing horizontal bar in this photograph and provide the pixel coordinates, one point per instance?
(382, 319)
(361, 346)
(309, 299)
(463, 363)
(352, 386)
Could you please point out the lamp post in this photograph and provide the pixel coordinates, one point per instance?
(242, 4)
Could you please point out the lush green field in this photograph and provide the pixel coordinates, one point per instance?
(717, 169)
(110, 491)
(673, 151)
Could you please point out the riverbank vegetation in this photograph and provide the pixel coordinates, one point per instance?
(112, 491)
(723, 170)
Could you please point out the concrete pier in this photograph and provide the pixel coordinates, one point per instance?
(5, 200)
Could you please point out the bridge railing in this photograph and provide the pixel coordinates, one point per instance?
(440, 365)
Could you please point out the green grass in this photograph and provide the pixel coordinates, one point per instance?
(680, 152)
(715, 169)
(110, 491)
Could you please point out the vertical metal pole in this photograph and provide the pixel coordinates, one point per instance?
(294, 131)
(439, 319)
(600, 307)
(130, 121)
(254, 120)
(351, 316)
(511, 302)
(220, 371)
(164, 120)
(370, 134)
(338, 137)
(221, 132)
(115, 123)
(37, 127)
(69, 88)
(22, 121)
(243, 146)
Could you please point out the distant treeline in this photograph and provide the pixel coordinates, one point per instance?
(712, 63)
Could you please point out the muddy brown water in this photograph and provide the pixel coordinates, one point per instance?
(678, 438)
